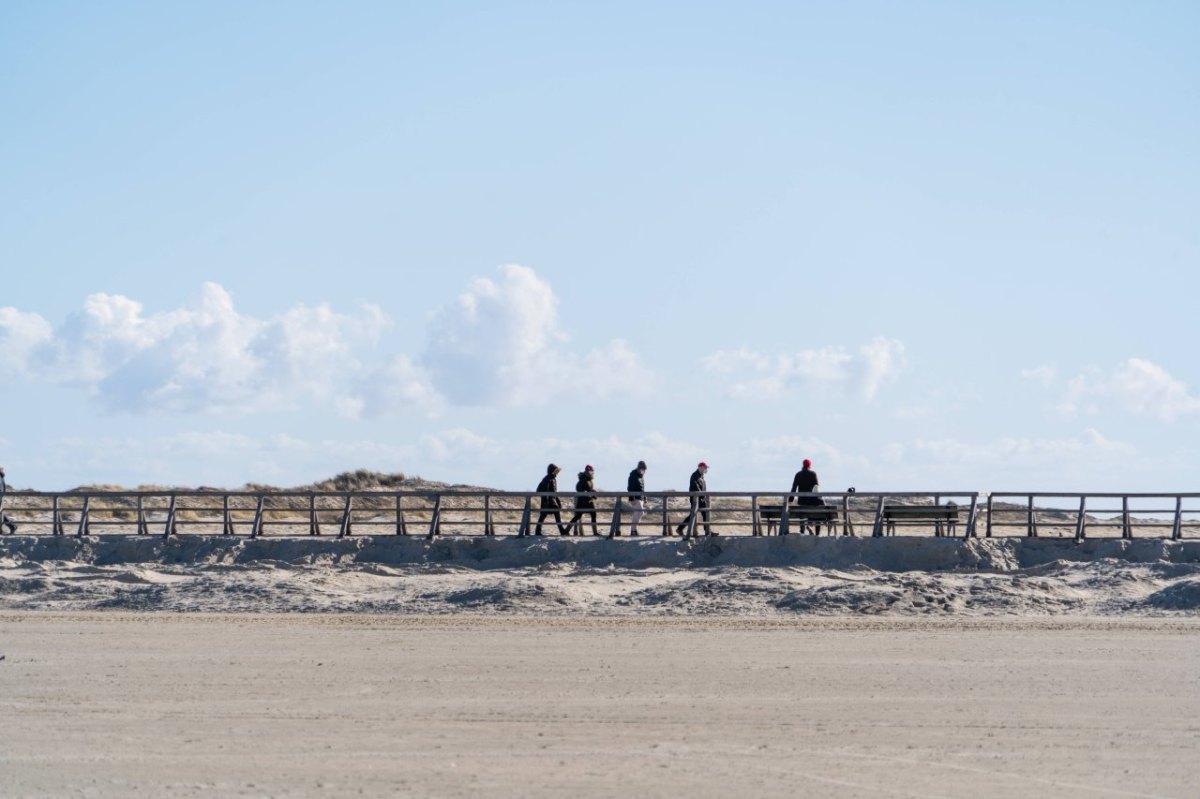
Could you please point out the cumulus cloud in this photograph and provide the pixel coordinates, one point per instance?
(20, 334)
(747, 374)
(499, 344)
(1135, 385)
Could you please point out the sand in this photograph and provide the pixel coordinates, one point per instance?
(164, 704)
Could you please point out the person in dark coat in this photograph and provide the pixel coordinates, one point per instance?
(637, 496)
(697, 486)
(585, 501)
(805, 482)
(551, 504)
(4, 520)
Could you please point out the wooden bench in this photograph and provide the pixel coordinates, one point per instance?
(916, 514)
(804, 515)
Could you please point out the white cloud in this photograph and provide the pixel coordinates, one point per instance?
(1042, 375)
(20, 334)
(1025, 451)
(1135, 385)
(751, 375)
(500, 343)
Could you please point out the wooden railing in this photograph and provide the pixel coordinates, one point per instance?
(488, 513)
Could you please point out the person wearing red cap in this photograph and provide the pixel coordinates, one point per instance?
(585, 501)
(697, 488)
(805, 484)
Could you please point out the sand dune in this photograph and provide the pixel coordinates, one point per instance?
(739, 577)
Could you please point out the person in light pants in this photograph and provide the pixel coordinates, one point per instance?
(637, 496)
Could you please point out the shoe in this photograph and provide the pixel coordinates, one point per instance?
(537, 533)
(634, 532)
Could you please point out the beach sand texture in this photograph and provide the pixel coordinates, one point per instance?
(157, 704)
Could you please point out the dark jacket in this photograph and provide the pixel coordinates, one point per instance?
(697, 485)
(805, 482)
(637, 485)
(3, 486)
(585, 485)
(549, 485)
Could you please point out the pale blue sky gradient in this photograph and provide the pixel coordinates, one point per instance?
(956, 245)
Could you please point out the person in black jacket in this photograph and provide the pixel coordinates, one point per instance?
(637, 496)
(4, 520)
(697, 486)
(805, 482)
(551, 504)
(585, 501)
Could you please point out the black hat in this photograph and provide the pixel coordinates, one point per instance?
(641, 464)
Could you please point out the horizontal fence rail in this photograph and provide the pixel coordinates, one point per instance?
(606, 514)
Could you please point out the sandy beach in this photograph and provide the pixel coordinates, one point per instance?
(162, 704)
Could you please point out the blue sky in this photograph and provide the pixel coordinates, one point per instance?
(927, 245)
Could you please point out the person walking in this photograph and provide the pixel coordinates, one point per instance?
(551, 504)
(4, 520)
(585, 500)
(697, 486)
(637, 497)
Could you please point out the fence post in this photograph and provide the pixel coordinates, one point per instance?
(1177, 529)
(666, 523)
(1126, 527)
(785, 516)
(344, 529)
(141, 516)
(435, 518)
(614, 524)
(57, 525)
(256, 526)
(1031, 530)
(83, 519)
(487, 516)
(1080, 532)
(989, 516)
(971, 517)
(847, 525)
(314, 521)
(226, 519)
(401, 526)
(169, 526)
(523, 529)
(877, 530)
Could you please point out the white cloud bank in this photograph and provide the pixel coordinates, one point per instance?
(1136, 385)
(747, 374)
(500, 344)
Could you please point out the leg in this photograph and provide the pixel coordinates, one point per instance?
(639, 510)
(562, 528)
(704, 515)
(595, 531)
(541, 518)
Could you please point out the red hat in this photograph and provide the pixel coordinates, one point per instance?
(588, 468)
(703, 465)
(807, 463)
